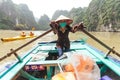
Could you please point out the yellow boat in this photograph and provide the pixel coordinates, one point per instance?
(15, 38)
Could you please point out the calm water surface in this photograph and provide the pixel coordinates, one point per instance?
(112, 39)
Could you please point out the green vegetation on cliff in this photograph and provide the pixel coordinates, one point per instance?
(16, 17)
(100, 15)
(103, 15)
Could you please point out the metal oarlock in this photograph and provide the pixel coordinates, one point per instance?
(109, 52)
(16, 55)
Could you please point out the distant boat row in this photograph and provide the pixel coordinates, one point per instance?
(22, 36)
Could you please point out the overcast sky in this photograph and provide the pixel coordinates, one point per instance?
(48, 7)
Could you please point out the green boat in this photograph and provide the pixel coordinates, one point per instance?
(42, 62)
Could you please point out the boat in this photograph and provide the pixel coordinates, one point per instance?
(43, 63)
(15, 38)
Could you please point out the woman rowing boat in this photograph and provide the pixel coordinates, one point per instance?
(61, 27)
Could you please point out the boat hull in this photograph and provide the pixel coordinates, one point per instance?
(41, 63)
(15, 38)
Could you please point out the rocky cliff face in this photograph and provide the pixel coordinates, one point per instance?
(103, 15)
(14, 16)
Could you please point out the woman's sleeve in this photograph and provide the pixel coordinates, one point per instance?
(54, 27)
(72, 29)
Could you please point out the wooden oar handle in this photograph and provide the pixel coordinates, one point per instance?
(93, 37)
(116, 53)
(14, 51)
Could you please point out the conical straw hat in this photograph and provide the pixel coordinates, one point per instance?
(63, 18)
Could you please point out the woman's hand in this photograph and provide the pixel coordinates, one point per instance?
(78, 27)
(81, 26)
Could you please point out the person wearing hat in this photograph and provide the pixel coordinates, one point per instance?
(61, 27)
(23, 34)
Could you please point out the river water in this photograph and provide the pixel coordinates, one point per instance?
(112, 39)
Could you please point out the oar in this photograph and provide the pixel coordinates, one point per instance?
(81, 27)
(14, 51)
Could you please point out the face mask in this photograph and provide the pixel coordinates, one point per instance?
(62, 24)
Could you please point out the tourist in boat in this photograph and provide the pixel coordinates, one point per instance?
(61, 27)
(31, 34)
(23, 34)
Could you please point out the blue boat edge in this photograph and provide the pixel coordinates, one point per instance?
(102, 61)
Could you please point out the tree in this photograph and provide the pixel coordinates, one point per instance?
(44, 22)
(58, 13)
